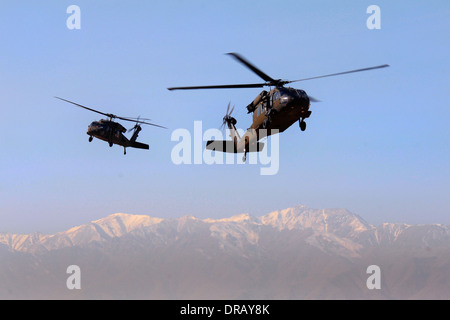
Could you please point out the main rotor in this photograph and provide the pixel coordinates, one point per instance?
(269, 81)
(111, 116)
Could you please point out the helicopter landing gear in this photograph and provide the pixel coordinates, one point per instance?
(124, 150)
(90, 138)
(244, 158)
(110, 144)
(302, 124)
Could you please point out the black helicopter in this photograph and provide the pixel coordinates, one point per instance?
(113, 132)
(273, 111)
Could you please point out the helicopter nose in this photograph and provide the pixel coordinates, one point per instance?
(90, 130)
(302, 100)
(93, 128)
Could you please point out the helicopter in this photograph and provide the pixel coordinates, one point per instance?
(273, 111)
(113, 132)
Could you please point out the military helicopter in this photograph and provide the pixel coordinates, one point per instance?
(273, 111)
(113, 132)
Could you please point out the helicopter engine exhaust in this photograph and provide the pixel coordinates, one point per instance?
(261, 97)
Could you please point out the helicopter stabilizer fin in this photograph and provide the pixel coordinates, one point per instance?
(229, 146)
(139, 145)
(221, 145)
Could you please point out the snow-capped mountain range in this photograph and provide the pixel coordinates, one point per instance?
(297, 252)
(346, 230)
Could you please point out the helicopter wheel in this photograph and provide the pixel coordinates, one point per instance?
(302, 125)
(90, 139)
(124, 150)
(110, 144)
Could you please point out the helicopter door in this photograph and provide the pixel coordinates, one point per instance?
(260, 109)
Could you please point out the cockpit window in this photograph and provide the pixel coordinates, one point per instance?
(276, 96)
(300, 93)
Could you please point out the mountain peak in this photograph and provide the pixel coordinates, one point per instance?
(125, 222)
(323, 220)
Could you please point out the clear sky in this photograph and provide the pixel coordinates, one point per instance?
(377, 144)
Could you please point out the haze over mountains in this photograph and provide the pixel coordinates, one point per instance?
(296, 253)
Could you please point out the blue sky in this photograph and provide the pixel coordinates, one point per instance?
(377, 144)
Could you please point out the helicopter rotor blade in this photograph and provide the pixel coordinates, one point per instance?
(231, 111)
(224, 120)
(226, 86)
(138, 119)
(261, 74)
(136, 125)
(269, 80)
(112, 116)
(340, 73)
(313, 99)
(81, 106)
(139, 122)
(227, 116)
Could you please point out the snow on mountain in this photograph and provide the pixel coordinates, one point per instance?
(115, 225)
(20, 242)
(335, 231)
(321, 220)
(295, 253)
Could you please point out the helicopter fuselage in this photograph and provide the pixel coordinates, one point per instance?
(109, 131)
(279, 109)
(273, 112)
(113, 133)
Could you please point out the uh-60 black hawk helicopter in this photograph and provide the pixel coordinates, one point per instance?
(113, 132)
(274, 110)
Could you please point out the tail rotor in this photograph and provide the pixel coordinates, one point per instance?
(137, 126)
(228, 119)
